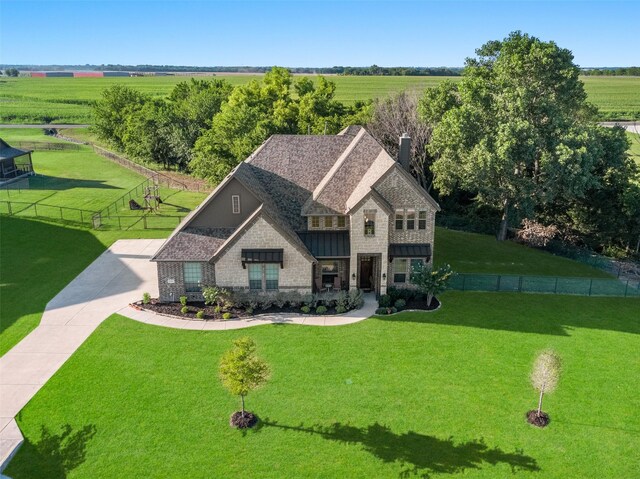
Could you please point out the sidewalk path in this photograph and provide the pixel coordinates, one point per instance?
(119, 276)
(149, 317)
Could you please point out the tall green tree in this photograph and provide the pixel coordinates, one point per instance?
(111, 111)
(516, 130)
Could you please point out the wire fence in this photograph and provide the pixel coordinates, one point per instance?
(626, 288)
(51, 212)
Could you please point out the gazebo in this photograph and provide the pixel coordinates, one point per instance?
(14, 163)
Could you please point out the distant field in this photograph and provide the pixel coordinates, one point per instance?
(68, 100)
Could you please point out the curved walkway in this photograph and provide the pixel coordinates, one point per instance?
(119, 276)
(149, 317)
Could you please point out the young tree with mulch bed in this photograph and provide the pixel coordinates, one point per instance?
(544, 378)
(432, 282)
(241, 372)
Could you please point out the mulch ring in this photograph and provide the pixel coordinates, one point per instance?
(539, 420)
(243, 422)
(421, 304)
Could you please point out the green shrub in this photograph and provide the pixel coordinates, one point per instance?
(217, 309)
(307, 299)
(392, 310)
(381, 311)
(342, 300)
(384, 301)
(184, 310)
(183, 300)
(355, 299)
(321, 309)
(295, 299)
(226, 316)
(200, 314)
(266, 301)
(305, 309)
(221, 297)
(400, 304)
(249, 310)
(146, 298)
(280, 300)
(341, 309)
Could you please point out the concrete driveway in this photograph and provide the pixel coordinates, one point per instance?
(119, 276)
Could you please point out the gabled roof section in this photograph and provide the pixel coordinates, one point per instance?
(262, 212)
(332, 193)
(411, 181)
(193, 244)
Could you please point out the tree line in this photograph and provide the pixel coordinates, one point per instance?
(515, 139)
(622, 71)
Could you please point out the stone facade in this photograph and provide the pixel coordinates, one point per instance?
(323, 226)
(296, 274)
(171, 280)
(395, 188)
(362, 244)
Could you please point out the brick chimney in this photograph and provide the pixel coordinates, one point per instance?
(404, 152)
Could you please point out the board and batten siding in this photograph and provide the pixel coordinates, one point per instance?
(296, 274)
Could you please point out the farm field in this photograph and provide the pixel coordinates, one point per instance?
(439, 394)
(68, 100)
(634, 150)
(39, 258)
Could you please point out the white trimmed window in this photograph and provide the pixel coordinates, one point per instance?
(411, 219)
(328, 221)
(399, 219)
(235, 204)
(342, 221)
(315, 222)
(422, 220)
(264, 277)
(192, 277)
(369, 222)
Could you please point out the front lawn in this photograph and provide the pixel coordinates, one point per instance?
(440, 394)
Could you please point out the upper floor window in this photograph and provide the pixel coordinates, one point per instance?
(399, 219)
(235, 204)
(369, 222)
(192, 277)
(342, 222)
(328, 221)
(315, 222)
(411, 219)
(422, 220)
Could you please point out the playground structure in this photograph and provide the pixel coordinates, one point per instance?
(152, 199)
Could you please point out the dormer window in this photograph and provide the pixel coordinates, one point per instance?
(235, 204)
(369, 222)
(315, 222)
(328, 221)
(342, 222)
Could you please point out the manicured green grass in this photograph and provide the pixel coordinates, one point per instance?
(38, 259)
(634, 150)
(439, 394)
(475, 253)
(68, 100)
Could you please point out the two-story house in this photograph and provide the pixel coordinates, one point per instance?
(307, 213)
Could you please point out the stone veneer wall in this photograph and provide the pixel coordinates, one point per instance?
(173, 270)
(297, 272)
(377, 244)
(324, 228)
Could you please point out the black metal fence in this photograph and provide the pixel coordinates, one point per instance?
(626, 288)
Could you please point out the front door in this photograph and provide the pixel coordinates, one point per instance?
(366, 272)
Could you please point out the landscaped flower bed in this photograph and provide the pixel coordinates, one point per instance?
(401, 299)
(221, 304)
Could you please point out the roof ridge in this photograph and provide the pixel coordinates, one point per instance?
(336, 166)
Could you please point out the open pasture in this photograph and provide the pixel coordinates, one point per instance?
(68, 100)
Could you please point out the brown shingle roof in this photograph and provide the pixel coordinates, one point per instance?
(193, 244)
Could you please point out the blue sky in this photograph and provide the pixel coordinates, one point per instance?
(307, 33)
